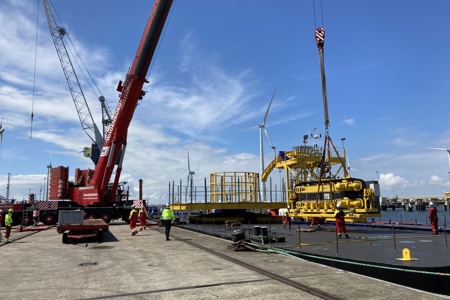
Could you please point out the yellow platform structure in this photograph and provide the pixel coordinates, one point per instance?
(318, 181)
(231, 191)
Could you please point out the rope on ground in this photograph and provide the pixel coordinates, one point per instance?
(295, 254)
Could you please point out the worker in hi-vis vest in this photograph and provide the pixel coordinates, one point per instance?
(133, 219)
(167, 217)
(8, 224)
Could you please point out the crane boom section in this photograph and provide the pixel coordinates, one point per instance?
(131, 93)
(84, 114)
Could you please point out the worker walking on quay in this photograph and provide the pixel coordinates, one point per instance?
(133, 219)
(8, 224)
(432, 215)
(339, 214)
(143, 214)
(287, 218)
(315, 220)
(167, 217)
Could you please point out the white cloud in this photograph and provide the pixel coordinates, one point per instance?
(390, 180)
(349, 121)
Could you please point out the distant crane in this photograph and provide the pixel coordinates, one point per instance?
(81, 105)
(261, 150)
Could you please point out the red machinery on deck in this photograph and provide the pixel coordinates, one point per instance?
(99, 192)
(91, 189)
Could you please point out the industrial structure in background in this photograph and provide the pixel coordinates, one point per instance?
(92, 190)
(316, 179)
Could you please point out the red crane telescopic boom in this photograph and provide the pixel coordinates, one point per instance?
(96, 193)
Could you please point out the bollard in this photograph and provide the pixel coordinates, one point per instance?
(406, 255)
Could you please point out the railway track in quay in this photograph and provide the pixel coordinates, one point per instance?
(281, 279)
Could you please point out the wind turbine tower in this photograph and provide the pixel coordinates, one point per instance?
(190, 179)
(262, 127)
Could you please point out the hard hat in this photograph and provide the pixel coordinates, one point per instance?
(338, 205)
(167, 205)
(133, 206)
(1, 211)
(289, 207)
(431, 203)
(10, 210)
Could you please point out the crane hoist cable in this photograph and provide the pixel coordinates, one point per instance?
(320, 41)
(34, 72)
(321, 13)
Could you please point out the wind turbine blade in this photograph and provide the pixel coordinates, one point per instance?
(268, 108)
(442, 149)
(349, 167)
(268, 137)
(448, 152)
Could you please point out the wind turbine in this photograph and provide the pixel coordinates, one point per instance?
(346, 157)
(443, 149)
(2, 129)
(261, 150)
(315, 136)
(190, 178)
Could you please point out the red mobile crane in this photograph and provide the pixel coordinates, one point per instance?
(97, 193)
(97, 196)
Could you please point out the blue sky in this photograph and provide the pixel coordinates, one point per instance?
(216, 68)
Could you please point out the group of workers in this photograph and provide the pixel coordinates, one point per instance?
(168, 217)
(339, 215)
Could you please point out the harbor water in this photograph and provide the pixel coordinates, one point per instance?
(399, 215)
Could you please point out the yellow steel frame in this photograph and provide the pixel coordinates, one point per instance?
(301, 165)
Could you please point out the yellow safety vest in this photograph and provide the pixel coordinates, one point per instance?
(8, 220)
(168, 214)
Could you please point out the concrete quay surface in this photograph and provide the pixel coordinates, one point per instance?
(37, 265)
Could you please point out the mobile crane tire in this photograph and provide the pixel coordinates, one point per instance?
(49, 219)
(106, 217)
(64, 238)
